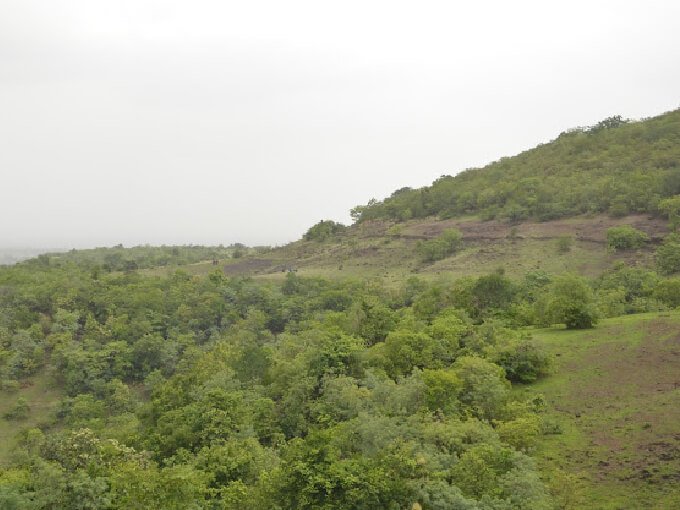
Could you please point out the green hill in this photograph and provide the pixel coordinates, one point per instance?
(615, 167)
(505, 339)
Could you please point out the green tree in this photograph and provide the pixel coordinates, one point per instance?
(668, 255)
(625, 237)
(671, 208)
(570, 301)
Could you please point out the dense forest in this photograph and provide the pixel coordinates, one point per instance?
(215, 392)
(617, 167)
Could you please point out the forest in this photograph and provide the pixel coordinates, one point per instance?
(214, 392)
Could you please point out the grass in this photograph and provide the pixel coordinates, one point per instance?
(42, 395)
(368, 250)
(616, 398)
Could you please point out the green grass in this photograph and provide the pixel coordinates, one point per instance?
(616, 397)
(368, 251)
(42, 395)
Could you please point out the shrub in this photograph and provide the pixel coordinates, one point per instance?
(323, 230)
(520, 433)
(19, 411)
(449, 242)
(569, 301)
(668, 292)
(668, 255)
(625, 238)
(564, 244)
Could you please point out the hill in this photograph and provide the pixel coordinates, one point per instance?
(390, 250)
(615, 167)
(441, 357)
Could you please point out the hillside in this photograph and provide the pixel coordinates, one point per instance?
(615, 167)
(615, 401)
(389, 250)
(444, 360)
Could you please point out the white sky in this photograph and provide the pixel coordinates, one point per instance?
(219, 121)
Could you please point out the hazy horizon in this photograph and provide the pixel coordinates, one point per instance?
(148, 122)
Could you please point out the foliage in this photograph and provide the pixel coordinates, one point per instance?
(19, 411)
(569, 300)
(616, 167)
(323, 230)
(448, 242)
(215, 392)
(625, 238)
(668, 292)
(564, 244)
(668, 255)
(671, 208)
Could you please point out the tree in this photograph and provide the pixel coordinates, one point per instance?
(625, 237)
(570, 301)
(668, 292)
(323, 230)
(671, 208)
(668, 255)
(448, 242)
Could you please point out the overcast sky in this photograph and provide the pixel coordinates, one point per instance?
(219, 121)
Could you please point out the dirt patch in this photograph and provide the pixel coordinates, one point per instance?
(583, 229)
(638, 387)
(246, 266)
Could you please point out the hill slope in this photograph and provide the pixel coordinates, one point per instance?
(616, 399)
(616, 167)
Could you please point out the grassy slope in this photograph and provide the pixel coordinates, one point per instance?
(366, 250)
(616, 396)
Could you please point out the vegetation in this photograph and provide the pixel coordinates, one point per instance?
(150, 378)
(564, 244)
(615, 167)
(625, 238)
(323, 230)
(449, 242)
(613, 411)
(119, 258)
(668, 255)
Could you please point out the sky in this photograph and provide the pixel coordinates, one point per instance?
(212, 122)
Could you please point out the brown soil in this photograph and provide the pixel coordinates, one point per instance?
(246, 266)
(649, 373)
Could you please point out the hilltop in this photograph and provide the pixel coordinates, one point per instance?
(617, 167)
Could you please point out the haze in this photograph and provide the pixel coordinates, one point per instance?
(213, 122)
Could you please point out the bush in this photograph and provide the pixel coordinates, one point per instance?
(668, 255)
(564, 244)
(9, 385)
(323, 230)
(19, 411)
(449, 242)
(570, 301)
(625, 238)
(668, 292)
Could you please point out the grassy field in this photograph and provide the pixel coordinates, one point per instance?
(616, 398)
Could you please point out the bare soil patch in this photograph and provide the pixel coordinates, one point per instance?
(583, 229)
(246, 266)
(639, 387)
